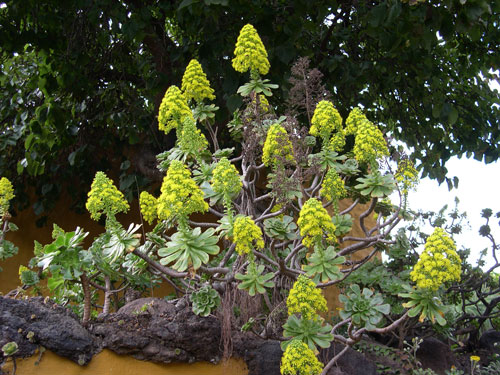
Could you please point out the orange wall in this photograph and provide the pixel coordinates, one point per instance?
(109, 363)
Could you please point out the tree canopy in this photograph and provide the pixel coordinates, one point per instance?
(82, 80)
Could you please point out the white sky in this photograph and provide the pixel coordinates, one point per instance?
(478, 188)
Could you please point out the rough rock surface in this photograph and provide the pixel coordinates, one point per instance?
(149, 329)
(264, 358)
(53, 327)
(155, 330)
(489, 339)
(436, 355)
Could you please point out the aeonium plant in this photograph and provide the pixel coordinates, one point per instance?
(273, 210)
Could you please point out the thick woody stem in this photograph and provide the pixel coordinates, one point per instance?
(86, 297)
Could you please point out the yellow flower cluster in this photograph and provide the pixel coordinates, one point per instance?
(406, 175)
(191, 139)
(263, 103)
(333, 187)
(148, 205)
(180, 196)
(314, 222)
(353, 120)
(250, 53)
(6, 195)
(173, 110)
(305, 299)
(438, 263)
(277, 147)
(105, 198)
(195, 84)
(226, 179)
(325, 121)
(245, 231)
(298, 359)
(369, 143)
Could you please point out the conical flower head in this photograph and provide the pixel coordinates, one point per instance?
(369, 143)
(148, 204)
(315, 223)
(180, 196)
(277, 147)
(195, 84)
(326, 119)
(353, 120)
(190, 139)
(105, 198)
(247, 235)
(226, 179)
(299, 359)
(439, 262)
(173, 110)
(250, 52)
(406, 176)
(333, 187)
(6, 194)
(305, 299)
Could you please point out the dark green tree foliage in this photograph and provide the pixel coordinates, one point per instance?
(82, 80)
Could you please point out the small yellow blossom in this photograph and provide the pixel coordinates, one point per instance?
(195, 84)
(6, 195)
(250, 52)
(277, 147)
(439, 262)
(105, 198)
(245, 232)
(173, 110)
(148, 205)
(475, 358)
(305, 299)
(299, 359)
(314, 223)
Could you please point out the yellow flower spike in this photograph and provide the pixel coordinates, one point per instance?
(245, 232)
(314, 222)
(105, 198)
(6, 195)
(173, 110)
(299, 359)
(195, 84)
(277, 147)
(148, 204)
(250, 53)
(263, 103)
(305, 299)
(406, 176)
(326, 120)
(430, 272)
(333, 187)
(369, 143)
(226, 178)
(190, 139)
(475, 358)
(180, 196)
(353, 120)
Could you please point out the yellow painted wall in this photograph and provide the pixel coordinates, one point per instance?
(109, 363)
